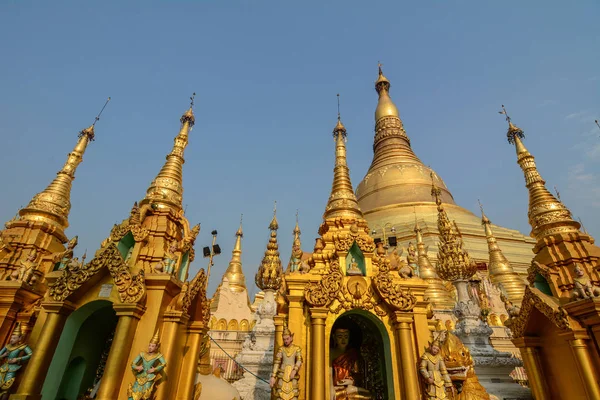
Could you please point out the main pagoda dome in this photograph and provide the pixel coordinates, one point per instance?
(397, 190)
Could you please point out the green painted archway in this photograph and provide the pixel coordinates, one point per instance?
(79, 349)
(369, 322)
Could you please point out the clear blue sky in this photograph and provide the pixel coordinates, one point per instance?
(266, 74)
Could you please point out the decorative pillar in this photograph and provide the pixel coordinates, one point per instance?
(403, 326)
(189, 370)
(533, 367)
(172, 347)
(117, 362)
(278, 320)
(37, 367)
(318, 367)
(584, 366)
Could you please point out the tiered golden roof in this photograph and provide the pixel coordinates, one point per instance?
(500, 270)
(547, 215)
(234, 272)
(436, 291)
(454, 263)
(166, 190)
(270, 272)
(342, 201)
(54, 203)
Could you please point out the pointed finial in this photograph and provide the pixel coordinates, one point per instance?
(275, 208)
(296, 216)
(379, 65)
(17, 331)
(484, 218)
(239, 231)
(192, 100)
(513, 130)
(339, 127)
(274, 225)
(100, 113)
(480, 206)
(156, 338)
(582, 227)
(557, 194)
(89, 131)
(338, 99)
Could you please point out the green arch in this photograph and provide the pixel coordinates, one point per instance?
(376, 323)
(84, 337)
(542, 284)
(356, 256)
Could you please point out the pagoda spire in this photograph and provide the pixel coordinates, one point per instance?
(234, 272)
(454, 263)
(342, 201)
(53, 204)
(296, 256)
(166, 190)
(547, 215)
(270, 272)
(500, 270)
(436, 291)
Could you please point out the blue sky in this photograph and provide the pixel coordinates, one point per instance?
(266, 76)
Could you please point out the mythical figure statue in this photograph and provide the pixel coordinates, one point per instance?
(66, 256)
(296, 257)
(433, 370)
(395, 260)
(146, 368)
(169, 261)
(353, 269)
(26, 272)
(584, 289)
(12, 356)
(347, 370)
(412, 258)
(286, 365)
(405, 270)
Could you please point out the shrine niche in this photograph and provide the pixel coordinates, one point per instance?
(355, 261)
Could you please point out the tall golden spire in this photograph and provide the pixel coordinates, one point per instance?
(234, 273)
(296, 256)
(270, 271)
(342, 201)
(166, 190)
(500, 270)
(436, 291)
(454, 263)
(54, 203)
(547, 215)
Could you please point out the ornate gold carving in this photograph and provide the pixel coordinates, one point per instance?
(544, 304)
(392, 293)
(357, 293)
(322, 293)
(131, 288)
(343, 242)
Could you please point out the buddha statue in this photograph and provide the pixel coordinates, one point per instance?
(353, 268)
(346, 369)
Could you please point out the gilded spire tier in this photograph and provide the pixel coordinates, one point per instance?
(342, 201)
(454, 263)
(54, 203)
(166, 190)
(436, 291)
(547, 215)
(270, 272)
(234, 273)
(500, 270)
(396, 175)
(296, 255)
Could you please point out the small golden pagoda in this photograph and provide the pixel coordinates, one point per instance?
(557, 326)
(350, 290)
(97, 317)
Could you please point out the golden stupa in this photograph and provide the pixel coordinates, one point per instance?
(396, 189)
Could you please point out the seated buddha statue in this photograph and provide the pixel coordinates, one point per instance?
(346, 369)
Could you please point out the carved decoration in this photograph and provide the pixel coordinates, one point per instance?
(131, 288)
(343, 242)
(189, 241)
(322, 293)
(544, 304)
(392, 293)
(536, 268)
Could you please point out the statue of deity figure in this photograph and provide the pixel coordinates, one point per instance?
(353, 269)
(286, 364)
(296, 258)
(146, 368)
(26, 272)
(412, 258)
(12, 356)
(346, 368)
(169, 261)
(433, 370)
(67, 255)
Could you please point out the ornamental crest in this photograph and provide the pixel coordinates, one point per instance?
(393, 294)
(322, 293)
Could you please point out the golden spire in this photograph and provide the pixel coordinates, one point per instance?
(547, 215)
(500, 270)
(270, 271)
(436, 291)
(385, 106)
(454, 263)
(166, 190)
(342, 201)
(234, 273)
(54, 203)
(296, 256)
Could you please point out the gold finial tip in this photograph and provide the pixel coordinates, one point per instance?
(156, 338)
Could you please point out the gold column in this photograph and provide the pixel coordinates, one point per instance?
(584, 365)
(403, 326)
(533, 367)
(116, 364)
(318, 363)
(35, 372)
(278, 319)
(189, 369)
(172, 348)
